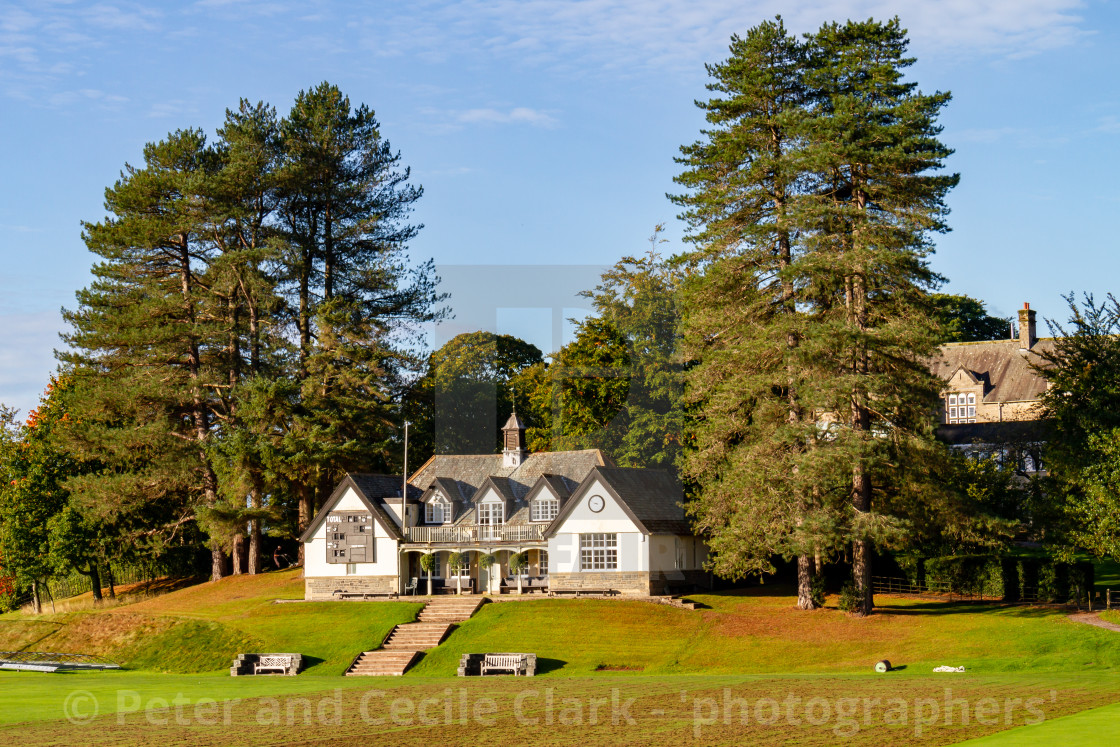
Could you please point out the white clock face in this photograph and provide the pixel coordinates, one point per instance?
(595, 503)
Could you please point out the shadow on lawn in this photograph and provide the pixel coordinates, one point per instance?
(935, 608)
(549, 665)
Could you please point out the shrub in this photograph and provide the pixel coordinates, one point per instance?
(517, 562)
(816, 591)
(849, 598)
(455, 561)
(428, 562)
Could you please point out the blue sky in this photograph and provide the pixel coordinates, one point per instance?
(543, 132)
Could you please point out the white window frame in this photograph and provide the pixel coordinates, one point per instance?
(437, 510)
(542, 562)
(544, 509)
(598, 552)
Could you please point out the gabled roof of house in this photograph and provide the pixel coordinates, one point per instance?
(501, 485)
(555, 484)
(650, 497)
(473, 469)
(371, 489)
(1005, 369)
(453, 490)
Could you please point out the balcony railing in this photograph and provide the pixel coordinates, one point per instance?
(475, 534)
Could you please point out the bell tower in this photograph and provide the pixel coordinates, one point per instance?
(513, 442)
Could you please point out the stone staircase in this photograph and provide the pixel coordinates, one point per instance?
(405, 642)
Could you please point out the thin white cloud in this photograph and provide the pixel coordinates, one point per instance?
(517, 115)
(621, 35)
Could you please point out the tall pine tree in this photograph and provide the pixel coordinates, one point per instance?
(811, 204)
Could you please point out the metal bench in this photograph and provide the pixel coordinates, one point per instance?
(273, 664)
(514, 663)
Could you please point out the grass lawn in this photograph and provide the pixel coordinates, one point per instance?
(203, 627)
(686, 671)
(1090, 728)
(585, 711)
(759, 634)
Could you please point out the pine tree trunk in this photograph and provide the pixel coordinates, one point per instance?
(861, 547)
(36, 603)
(805, 583)
(217, 564)
(111, 580)
(254, 546)
(95, 582)
(238, 553)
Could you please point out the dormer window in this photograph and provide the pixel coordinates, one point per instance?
(960, 408)
(491, 512)
(437, 510)
(544, 509)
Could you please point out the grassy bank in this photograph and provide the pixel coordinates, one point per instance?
(755, 633)
(203, 627)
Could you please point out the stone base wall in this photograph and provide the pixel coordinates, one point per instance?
(627, 582)
(323, 587)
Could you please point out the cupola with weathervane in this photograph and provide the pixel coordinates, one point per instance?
(513, 442)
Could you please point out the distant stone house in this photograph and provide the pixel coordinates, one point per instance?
(582, 524)
(991, 400)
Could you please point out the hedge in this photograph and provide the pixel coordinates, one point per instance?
(1011, 579)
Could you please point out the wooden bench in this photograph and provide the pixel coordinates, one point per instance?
(363, 594)
(504, 663)
(273, 664)
(581, 592)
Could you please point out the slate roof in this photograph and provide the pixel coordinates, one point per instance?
(383, 486)
(1005, 370)
(469, 471)
(373, 490)
(650, 497)
(653, 496)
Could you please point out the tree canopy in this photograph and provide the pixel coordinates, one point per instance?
(810, 201)
(965, 319)
(252, 321)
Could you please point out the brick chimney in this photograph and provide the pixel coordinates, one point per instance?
(1028, 332)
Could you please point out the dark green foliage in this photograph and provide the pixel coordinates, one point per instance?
(817, 590)
(619, 385)
(1011, 579)
(251, 326)
(576, 399)
(811, 202)
(1082, 405)
(470, 386)
(964, 319)
(968, 574)
(46, 529)
(850, 599)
